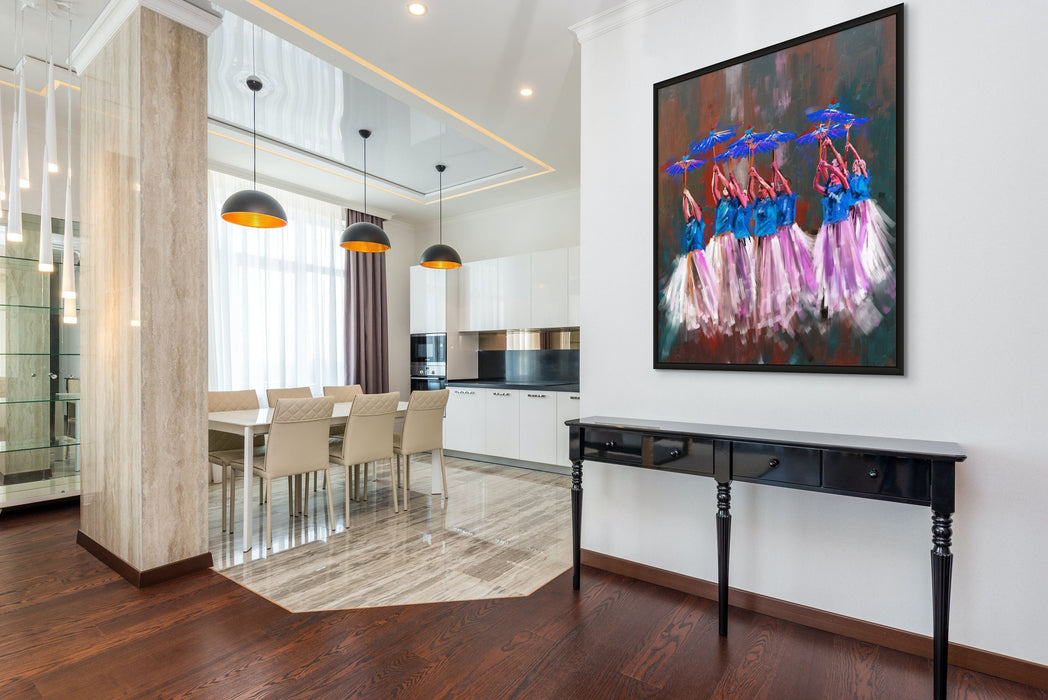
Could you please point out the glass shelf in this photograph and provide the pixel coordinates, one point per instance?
(7, 447)
(39, 354)
(57, 398)
(58, 260)
(55, 309)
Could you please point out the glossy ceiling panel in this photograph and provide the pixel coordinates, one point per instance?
(314, 107)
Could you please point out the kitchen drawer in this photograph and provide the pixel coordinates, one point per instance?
(677, 454)
(777, 463)
(893, 477)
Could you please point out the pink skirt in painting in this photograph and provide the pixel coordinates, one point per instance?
(690, 298)
(841, 285)
(873, 234)
(731, 262)
(785, 277)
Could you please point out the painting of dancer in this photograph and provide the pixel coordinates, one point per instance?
(778, 201)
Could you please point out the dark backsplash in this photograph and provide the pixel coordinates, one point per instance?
(524, 366)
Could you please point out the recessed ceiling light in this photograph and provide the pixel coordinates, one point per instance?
(417, 8)
(527, 92)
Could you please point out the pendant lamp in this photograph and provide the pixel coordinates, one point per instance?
(438, 255)
(3, 163)
(46, 261)
(50, 134)
(14, 199)
(21, 145)
(68, 256)
(364, 236)
(251, 207)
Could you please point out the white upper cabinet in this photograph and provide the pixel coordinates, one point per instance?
(573, 286)
(549, 289)
(514, 292)
(534, 290)
(478, 295)
(428, 300)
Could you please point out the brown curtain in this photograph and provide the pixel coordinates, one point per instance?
(367, 330)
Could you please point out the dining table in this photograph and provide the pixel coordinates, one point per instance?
(257, 422)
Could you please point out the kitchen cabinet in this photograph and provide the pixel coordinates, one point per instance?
(428, 300)
(478, 295)
(573, 286)
(464, 423)
(538, 420)
(567, 409)
(502, 423)
(514, 292)
(549, 289)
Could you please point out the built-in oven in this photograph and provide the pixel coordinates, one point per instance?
(426, 376)
(429, 348)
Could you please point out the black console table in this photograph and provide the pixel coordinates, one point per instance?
(885, 469)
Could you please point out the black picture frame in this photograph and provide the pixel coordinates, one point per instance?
(856, 65)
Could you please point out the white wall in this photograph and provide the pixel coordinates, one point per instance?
(975, 330)
(543, 223)
(399, 258)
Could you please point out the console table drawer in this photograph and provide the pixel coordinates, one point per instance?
(789, 465)
(891, 477)
(678, 454)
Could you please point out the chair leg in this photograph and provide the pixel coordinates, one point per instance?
(407, 472)
(367, 466)
(331, 508)
(269, 522)
(347, 495)
(290, 496)
(261, 491)
(225, 478)
(232, 498)
(443, 472)
(393, 478)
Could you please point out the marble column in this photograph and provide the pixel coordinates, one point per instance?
(143, 138)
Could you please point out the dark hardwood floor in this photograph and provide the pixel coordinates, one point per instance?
(71, 628)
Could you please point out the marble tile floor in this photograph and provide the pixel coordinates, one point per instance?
(504, 531)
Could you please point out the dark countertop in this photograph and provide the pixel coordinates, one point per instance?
(500, 384)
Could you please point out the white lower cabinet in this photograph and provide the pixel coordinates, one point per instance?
(514, 424)
(538, 419)
(464, 428)
(502, 423)
(567, 409)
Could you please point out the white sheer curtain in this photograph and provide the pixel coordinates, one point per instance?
(276, 297)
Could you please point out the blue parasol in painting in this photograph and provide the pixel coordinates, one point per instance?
(715, 137)
(681, 167)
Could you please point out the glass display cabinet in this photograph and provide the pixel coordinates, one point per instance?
(39, 373)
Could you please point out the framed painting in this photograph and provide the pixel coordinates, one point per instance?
(778, 206)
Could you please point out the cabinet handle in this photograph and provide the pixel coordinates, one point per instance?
(537, 396)
(574, 398)
(873, 473)
(772, 463)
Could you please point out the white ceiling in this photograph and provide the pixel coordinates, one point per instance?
(439, 88)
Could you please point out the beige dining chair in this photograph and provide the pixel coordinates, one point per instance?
(423, 431)
(223, 448)
(298, 444)
(341, 394)
(368, 438)
(296, 496)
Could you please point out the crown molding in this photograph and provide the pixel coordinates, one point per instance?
(116, 13)
(619, 16)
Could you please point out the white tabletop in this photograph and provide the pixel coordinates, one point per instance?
(261, 418)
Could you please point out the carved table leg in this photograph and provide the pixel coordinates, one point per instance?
(942, 568)
(576, 521)
(723, 542)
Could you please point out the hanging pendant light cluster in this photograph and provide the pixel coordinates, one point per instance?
(439, 256)
(252, 207)
(363, 236)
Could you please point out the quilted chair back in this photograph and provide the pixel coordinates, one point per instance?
(424, 422)
(298, 437)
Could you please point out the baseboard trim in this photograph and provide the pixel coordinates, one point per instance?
(987, 662)
(148, 577)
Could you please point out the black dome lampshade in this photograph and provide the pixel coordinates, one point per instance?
(251, 207)
(364, 236)
(439, 256)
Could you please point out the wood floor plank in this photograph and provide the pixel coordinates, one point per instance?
(71, 628)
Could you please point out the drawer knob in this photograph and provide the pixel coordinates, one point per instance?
(772, 463)
(873, 473)
(609, 444)
(674, 453)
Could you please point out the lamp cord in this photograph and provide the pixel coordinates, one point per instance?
(440, 208)
(254, 123)
(365, 176)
